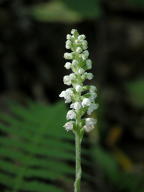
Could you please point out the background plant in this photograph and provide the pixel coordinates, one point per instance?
(38, 155)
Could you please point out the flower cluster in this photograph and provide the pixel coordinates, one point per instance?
(82, 97)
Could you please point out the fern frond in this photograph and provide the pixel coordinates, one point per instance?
(35, 148)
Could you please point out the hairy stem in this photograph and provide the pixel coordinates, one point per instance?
(78, 163)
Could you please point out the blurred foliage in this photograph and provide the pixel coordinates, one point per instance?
(136, 92)
(88, 9)
(37, 154)
(31, 144)
(54, 11)
(66, 10)
(123, 180)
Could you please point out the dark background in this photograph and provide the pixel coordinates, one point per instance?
(32, 40)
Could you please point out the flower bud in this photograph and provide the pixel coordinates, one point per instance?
(69, 126)
(68, 56)
(68, 65)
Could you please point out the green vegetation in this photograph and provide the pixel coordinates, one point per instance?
(35, 149)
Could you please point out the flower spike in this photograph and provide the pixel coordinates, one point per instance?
(82, 102)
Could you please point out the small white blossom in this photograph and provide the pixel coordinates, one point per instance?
(76, 105)
(89, 64)
(68, 56)
(78, 88)
(89, 76)
(71, 115)
(84, 44)
(91, 108)
(89, 124)
(62, 94)
(73, 31)
(74, 62)
(81, 71)
(69, 91)
(92, 88)
(85, 55)
(93, 96)
(72, 76)
(68, 37)
(81, 37)
(78, 49)
(68, 44)
(86, 102)
(68, 65)
(69, 126)
(67, 80)
(67, 94)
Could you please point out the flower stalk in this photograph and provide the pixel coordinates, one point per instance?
(82, 97)
(78, 163)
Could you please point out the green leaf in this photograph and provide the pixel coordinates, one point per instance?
(55, 11)
(35, 149)
(36, 146)
(70, 11)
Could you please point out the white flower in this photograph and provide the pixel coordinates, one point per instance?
(62, 94)
(68, 65)
(84, 44)
(78, 88)
(69, 125)
(81, 71)
(67, 94)
(91, 108)
(92, 88)
(67, 80)
(73, 31)
(68, 44)
(76, 105)
(72, 76)
(86, 102)
(89, 124)
(81, 37)
(93, 95)
(68, 56)
(68, 37)
(89, 76)
(89, 64)
(85, 55)
(71, 115)
(78, 49)
(74, 62)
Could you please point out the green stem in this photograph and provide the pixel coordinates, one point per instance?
(78, 163)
